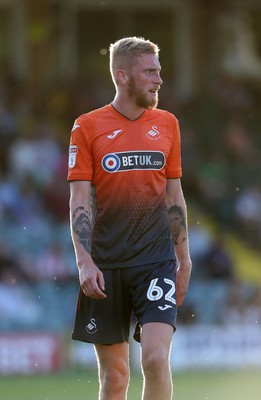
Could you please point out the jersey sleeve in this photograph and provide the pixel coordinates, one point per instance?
(80, 163)
(173, 167)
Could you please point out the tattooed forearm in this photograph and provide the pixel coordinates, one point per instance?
(178, 226)
(81, 226)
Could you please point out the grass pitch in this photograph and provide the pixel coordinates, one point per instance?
(80, 385)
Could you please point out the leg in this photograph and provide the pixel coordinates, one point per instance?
(156, 341)
(113, 368)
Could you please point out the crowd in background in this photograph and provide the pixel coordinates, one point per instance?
(221, 167)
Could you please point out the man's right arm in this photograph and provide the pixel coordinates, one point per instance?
(90, 276)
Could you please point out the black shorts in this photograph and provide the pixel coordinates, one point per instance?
(146, 292)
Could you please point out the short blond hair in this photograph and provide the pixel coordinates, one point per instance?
(124, 51)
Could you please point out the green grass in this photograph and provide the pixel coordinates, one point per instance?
(193, 385)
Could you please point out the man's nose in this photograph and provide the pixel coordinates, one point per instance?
(158, 79)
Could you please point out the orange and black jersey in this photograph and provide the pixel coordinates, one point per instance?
(129, 163)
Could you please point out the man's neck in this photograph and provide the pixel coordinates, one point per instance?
(127, 108)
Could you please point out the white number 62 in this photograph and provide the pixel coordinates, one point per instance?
(155, 292)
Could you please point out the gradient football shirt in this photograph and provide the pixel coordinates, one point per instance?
(128, 162)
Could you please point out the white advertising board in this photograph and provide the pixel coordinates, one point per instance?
(29, 353)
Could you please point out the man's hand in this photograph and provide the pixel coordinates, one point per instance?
(92, 281)
(183, 277)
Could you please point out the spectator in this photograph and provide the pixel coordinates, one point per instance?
(217, 263)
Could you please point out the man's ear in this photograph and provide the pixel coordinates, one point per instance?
(121, 76)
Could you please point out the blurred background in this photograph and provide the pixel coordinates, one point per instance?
(54, 67)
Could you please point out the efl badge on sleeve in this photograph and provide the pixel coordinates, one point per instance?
(73, 150)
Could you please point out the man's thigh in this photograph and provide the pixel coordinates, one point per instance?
(156, 337)
(113, 357)
(104, 321)
(153, 294)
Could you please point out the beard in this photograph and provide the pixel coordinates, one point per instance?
(141, 99)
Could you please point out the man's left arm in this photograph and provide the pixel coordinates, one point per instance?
(179, 230)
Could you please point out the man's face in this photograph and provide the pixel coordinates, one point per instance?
(145, 81)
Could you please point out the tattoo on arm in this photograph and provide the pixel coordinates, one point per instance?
(178, 226)
(81, 226)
